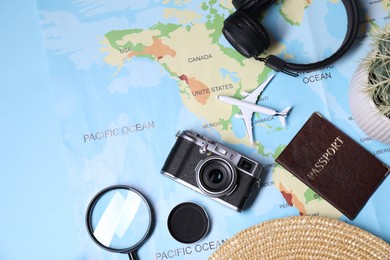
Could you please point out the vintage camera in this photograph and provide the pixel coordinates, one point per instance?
(212, 169)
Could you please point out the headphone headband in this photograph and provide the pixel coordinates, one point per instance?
(278, 64)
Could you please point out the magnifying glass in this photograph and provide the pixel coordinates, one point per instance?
(119, 219)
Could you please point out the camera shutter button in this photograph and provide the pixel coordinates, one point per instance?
(203, 149)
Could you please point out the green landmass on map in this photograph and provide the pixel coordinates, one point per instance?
(190, 54)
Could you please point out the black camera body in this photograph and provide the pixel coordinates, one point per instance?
(212, 169)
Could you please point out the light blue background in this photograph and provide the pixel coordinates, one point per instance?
(35, 197)
(37, 216)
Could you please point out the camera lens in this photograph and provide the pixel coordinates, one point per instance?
(216, 176)
(215, 179)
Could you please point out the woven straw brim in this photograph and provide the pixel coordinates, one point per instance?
(304, 237)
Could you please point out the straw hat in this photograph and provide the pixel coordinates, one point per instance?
(304, 237)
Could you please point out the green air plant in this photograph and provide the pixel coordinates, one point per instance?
(378, 66)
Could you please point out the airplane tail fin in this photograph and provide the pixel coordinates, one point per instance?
(283, 114)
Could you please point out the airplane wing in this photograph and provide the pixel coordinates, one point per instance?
(254, 95)
(247, 117)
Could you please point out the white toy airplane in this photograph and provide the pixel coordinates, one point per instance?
(248, 106)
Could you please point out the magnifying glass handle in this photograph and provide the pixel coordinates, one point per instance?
(133, 256)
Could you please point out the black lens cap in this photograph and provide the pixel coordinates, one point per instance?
(188, 222)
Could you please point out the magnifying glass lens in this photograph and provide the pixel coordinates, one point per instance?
(119, 219)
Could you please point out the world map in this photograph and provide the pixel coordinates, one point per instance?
(127, 75)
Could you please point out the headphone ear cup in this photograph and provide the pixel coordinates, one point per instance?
(252, 6)
(245, 34)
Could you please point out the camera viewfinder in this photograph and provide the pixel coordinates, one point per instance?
(245, 164)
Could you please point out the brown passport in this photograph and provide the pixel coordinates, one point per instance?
(333, 165)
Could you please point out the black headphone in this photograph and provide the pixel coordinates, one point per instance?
(250, 38)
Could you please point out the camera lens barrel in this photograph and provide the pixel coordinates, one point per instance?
(216, 176)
